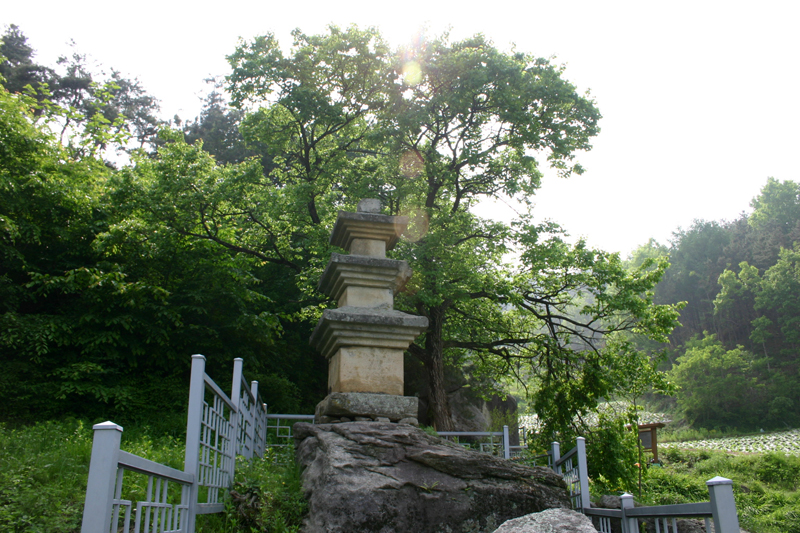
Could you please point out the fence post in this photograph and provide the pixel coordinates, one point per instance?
(583, 473)
(102, 478)
(260, 422)
(555, 455)
(236, 396)
(629, 525)
(197, 389)
(723, 506)
(506, 444)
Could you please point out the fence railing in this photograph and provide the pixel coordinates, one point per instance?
(489, 447)
(721, 509)
(279, 428)
(105, 507)
(217, 428)
(573, 468)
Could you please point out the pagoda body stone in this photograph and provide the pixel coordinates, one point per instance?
(364, 338)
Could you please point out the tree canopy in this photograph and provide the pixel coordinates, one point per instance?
(740, 280)
(183, 251)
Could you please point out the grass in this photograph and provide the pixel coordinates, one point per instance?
(44, 468)
(43, 471)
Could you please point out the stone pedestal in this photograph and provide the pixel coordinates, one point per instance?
(364, 339)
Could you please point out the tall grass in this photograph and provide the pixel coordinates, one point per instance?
(43, 471)
(44, 468)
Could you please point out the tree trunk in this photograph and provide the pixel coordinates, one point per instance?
(434, 351)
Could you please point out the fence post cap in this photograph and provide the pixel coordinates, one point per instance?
(198, 356)
(238, 359)
(626, 495)
(719, 481)
(580, 438)
(107, 425)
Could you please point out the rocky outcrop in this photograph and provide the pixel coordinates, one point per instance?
(381, 477)
(549, 521)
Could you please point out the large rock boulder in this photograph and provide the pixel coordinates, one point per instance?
(382, 477)
(549, 521)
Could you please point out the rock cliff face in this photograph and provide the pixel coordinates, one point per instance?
(381, 478)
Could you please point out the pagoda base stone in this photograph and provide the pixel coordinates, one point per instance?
(364, 369)
(363, 405)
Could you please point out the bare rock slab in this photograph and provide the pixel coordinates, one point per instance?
(353, 404)
(365, 477)
(549, 521)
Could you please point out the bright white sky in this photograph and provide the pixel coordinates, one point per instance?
(701, 100)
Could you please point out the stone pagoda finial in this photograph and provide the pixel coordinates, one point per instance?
(364, 339)
(367, 232)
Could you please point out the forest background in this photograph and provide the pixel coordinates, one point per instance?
(112, 274)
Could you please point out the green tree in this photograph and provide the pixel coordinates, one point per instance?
(778, 204)
(91, 110)
(719, 387)
(17, 67)
(430, 131)
(98, 312)
(218, 128)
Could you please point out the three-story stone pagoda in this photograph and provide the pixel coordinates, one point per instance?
(364, 338)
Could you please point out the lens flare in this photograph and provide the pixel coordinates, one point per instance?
(411, 164)
(412, 73)
(417, 224)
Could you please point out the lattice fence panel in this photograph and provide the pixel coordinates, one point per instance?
(215, 465)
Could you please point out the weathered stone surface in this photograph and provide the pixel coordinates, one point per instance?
(369, 205)
(359, 326)
(346, 272)
(549, 521)
(469, 411)
(371, 406)
(366, 369)
(384, 230)
(375, 477)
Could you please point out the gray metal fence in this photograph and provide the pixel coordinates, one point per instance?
(720, 509)
(573, 468)
(279, 428)
(498, 441)
(217, 429)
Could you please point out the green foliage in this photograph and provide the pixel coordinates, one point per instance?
(778, 204)
(611, 454)
(43, 471)
(718, 386)
(267, 495)
(92, 112)
(101, 305)
(741, 282)
(44, 468)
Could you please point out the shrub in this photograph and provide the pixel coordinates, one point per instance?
(267, 494)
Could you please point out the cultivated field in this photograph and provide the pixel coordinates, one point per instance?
(787, 442)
